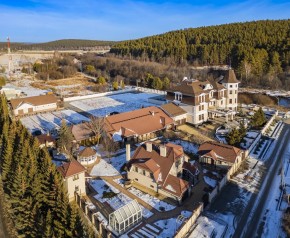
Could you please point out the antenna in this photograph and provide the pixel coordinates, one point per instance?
(8, 44)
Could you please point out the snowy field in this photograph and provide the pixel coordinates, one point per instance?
(188, 147)
(100, 186)
(152, 201)
(24, 86)
(102, 106)
(51, 121)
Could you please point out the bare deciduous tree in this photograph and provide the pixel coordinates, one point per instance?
(96, 125)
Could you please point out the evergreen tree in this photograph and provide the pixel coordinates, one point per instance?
(259, 118)
(65, 138)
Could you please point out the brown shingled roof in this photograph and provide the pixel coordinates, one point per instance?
(81, 132)
(160, 166)
(193, 88)
(70, 168)
(45, 138)
(230, 77)
(87, 152)
(137, 122)
(35, 101)
(173, 110)
(219, 151)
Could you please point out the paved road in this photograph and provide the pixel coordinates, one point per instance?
(249, 225)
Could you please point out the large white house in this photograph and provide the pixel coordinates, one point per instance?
(207, 99)
(73, 174)
(30, 105)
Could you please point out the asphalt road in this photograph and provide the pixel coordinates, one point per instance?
(248, 225)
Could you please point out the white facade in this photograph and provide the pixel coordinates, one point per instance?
(75, 183)
(29, 108)
(232, 95)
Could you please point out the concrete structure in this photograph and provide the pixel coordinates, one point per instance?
(31, 105)
(137, 125)
(221, 155)
(87, 156)
(73, 174)
(125, 217)
(164, 169)
(208, 99)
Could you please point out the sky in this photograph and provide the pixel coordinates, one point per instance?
(47, 20)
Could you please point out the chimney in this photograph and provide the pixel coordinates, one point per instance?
(163, 150)
(149, 147)
(162, 121)
(152, 113)
(128, 152)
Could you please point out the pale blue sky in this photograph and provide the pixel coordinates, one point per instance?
(46, 20)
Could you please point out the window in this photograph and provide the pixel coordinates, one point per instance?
(143, 172)
(235, 100)
(136, 169)
(231, 92)
(76, 188)
(231, 100)
(76, 177)
(136, 179)
(151, 175)
(231, 86)
(151, 186)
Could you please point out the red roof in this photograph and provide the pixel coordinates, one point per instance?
(218, 151)
(71, 168)
(160, 166)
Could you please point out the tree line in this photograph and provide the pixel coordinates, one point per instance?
(68, 44)
(31, 189)
(258, 51)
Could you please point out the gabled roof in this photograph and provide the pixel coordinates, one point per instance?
(137, 122)
(35, 101)
(87, 152)
(193, 88)
(218, 151)
(45, 138)
(71, 168)
(230, 77)
(160, 166)
(173, 110)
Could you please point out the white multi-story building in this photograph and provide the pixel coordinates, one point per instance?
(208, 99)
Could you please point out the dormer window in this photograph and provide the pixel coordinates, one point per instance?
(178, 96)
(208, 87)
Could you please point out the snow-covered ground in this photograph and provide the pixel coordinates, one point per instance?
(152, 201)
(109, 166)
(101, 186)
(211, 182)
(249, 138)
(51, 121)
(29, 91)
(102, 106)
(206, 227)
(188, 147)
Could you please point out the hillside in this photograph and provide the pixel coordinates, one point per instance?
(68, 44)
(259, 43)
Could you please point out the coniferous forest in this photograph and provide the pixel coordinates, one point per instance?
(259, 46)
(33, 200)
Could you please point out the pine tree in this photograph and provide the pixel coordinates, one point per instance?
(65, 138)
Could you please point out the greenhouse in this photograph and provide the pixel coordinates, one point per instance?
(125, 217)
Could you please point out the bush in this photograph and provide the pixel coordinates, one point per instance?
(109, 194)
(2, 81)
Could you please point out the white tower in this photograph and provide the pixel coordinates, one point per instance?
(231, 83)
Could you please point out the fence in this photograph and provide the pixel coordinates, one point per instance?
(96, 95)
(100, 224)
(189, 223)
(151, 90)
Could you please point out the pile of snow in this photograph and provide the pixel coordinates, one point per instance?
(152, 201)
(211, 182)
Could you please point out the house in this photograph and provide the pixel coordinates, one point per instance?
(46, 141)
(82, 134)
(207, 99)
(87, 156)
(220, 155)
(137, 125)
(175, 112)
(162, 168)
(30, 105)
(73, 174)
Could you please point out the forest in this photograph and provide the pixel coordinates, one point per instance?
(32, 195)
(68, 44)
(259, 51)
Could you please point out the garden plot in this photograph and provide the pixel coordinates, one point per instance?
(102, 106)
(152, 201)
(71, 116)
(111, 195)
(31, 125)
